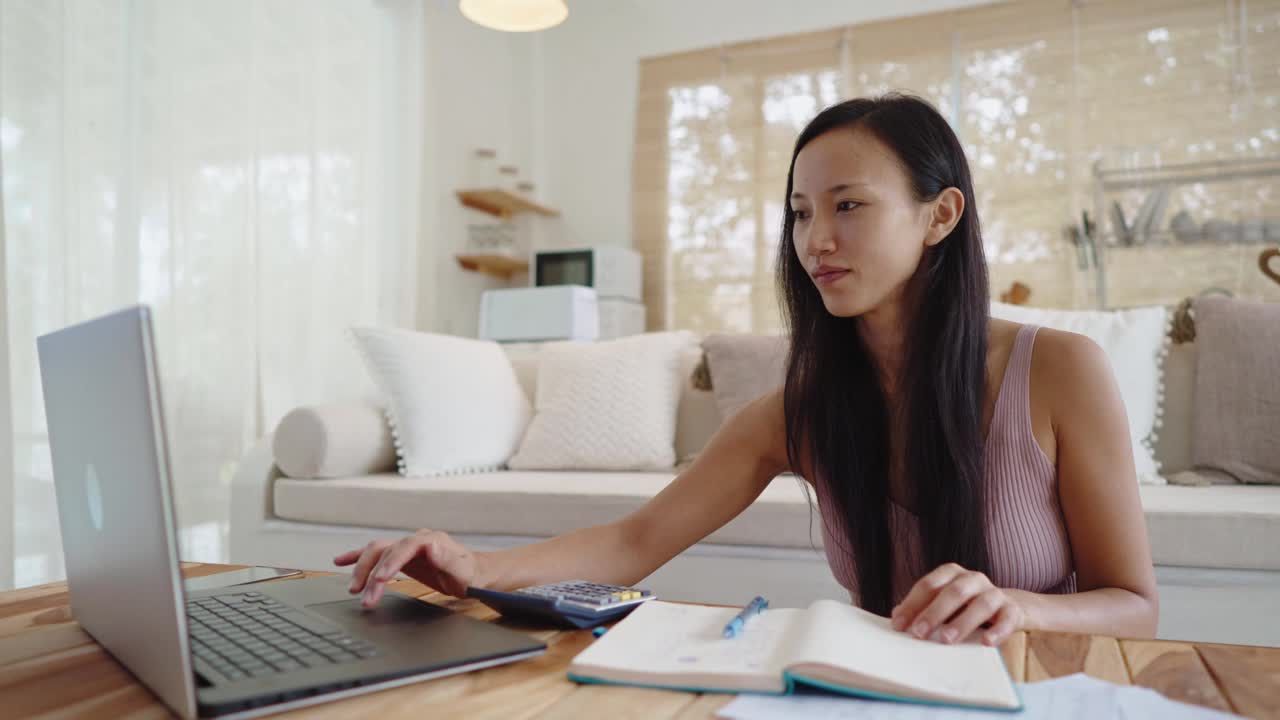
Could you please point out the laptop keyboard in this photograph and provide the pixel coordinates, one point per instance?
(250, 635)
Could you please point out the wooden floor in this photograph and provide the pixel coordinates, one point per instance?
(49, 667)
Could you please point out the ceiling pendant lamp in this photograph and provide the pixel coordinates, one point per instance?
(515, 15)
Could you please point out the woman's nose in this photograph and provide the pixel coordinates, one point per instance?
(820, 239)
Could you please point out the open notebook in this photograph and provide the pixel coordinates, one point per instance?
(830, 645)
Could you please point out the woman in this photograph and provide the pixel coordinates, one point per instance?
(972, 474)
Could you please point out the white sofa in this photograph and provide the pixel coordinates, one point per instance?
(1216, 548)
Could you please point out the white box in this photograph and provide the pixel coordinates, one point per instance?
(557, 312)
(619, 317)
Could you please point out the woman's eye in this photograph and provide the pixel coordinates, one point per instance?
(801, 214)
(846, 205)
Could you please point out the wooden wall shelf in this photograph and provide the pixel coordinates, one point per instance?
(501, 203)
(503, 266)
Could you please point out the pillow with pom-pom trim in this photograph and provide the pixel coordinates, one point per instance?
(1136, 342)
(454, 404)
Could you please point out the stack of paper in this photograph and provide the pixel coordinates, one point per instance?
(1065, 698)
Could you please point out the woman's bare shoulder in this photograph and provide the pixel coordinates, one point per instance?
(1000, 333)
(1054, 353)
(1066, 364)
(1063, 350)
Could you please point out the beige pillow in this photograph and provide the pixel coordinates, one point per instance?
(1237, 401)
(1173, 446)
(697, 417)
(744, 367)
(608, 405)
(334, 440)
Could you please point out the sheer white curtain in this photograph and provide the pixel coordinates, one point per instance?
(247, 168)
(6, 416)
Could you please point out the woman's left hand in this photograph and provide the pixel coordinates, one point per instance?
(954, 602)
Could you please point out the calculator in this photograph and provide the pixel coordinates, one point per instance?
(572, 603)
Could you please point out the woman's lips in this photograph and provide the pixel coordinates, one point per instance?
(827, 278)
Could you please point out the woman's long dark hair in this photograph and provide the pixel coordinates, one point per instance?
(835, 405)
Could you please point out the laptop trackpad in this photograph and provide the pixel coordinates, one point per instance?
(391, 610)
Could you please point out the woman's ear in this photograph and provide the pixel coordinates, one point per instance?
(948, 207)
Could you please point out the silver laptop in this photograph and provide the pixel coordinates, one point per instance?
(227, 652)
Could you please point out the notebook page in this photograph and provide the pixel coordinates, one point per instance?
(841, 635)
(673, 639)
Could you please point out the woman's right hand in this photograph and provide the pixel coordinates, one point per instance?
(429, 556)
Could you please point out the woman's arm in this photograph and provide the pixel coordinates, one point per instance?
(739, 461)
(1098, 491)
(728, 475)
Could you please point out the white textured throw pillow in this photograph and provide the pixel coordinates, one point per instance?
(607, 405)
(454, 404)
(1136, 342)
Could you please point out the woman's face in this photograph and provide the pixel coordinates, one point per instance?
(859, 231)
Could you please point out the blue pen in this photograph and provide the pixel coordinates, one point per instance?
(755, 607)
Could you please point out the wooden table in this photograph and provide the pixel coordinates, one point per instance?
(50, 667)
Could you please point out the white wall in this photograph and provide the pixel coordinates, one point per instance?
(563, 102)
(480, 92)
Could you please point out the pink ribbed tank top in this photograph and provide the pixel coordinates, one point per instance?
(1026, 536)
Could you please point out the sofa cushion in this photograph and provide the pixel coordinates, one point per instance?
(530, 503)
(1237, 421)
(1220, 526)
(608, 405)
(454, 404)
(698, 417)
(1172, 445)
(524, 361)
(744, 367)
(1231, 526)
(334, 440)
